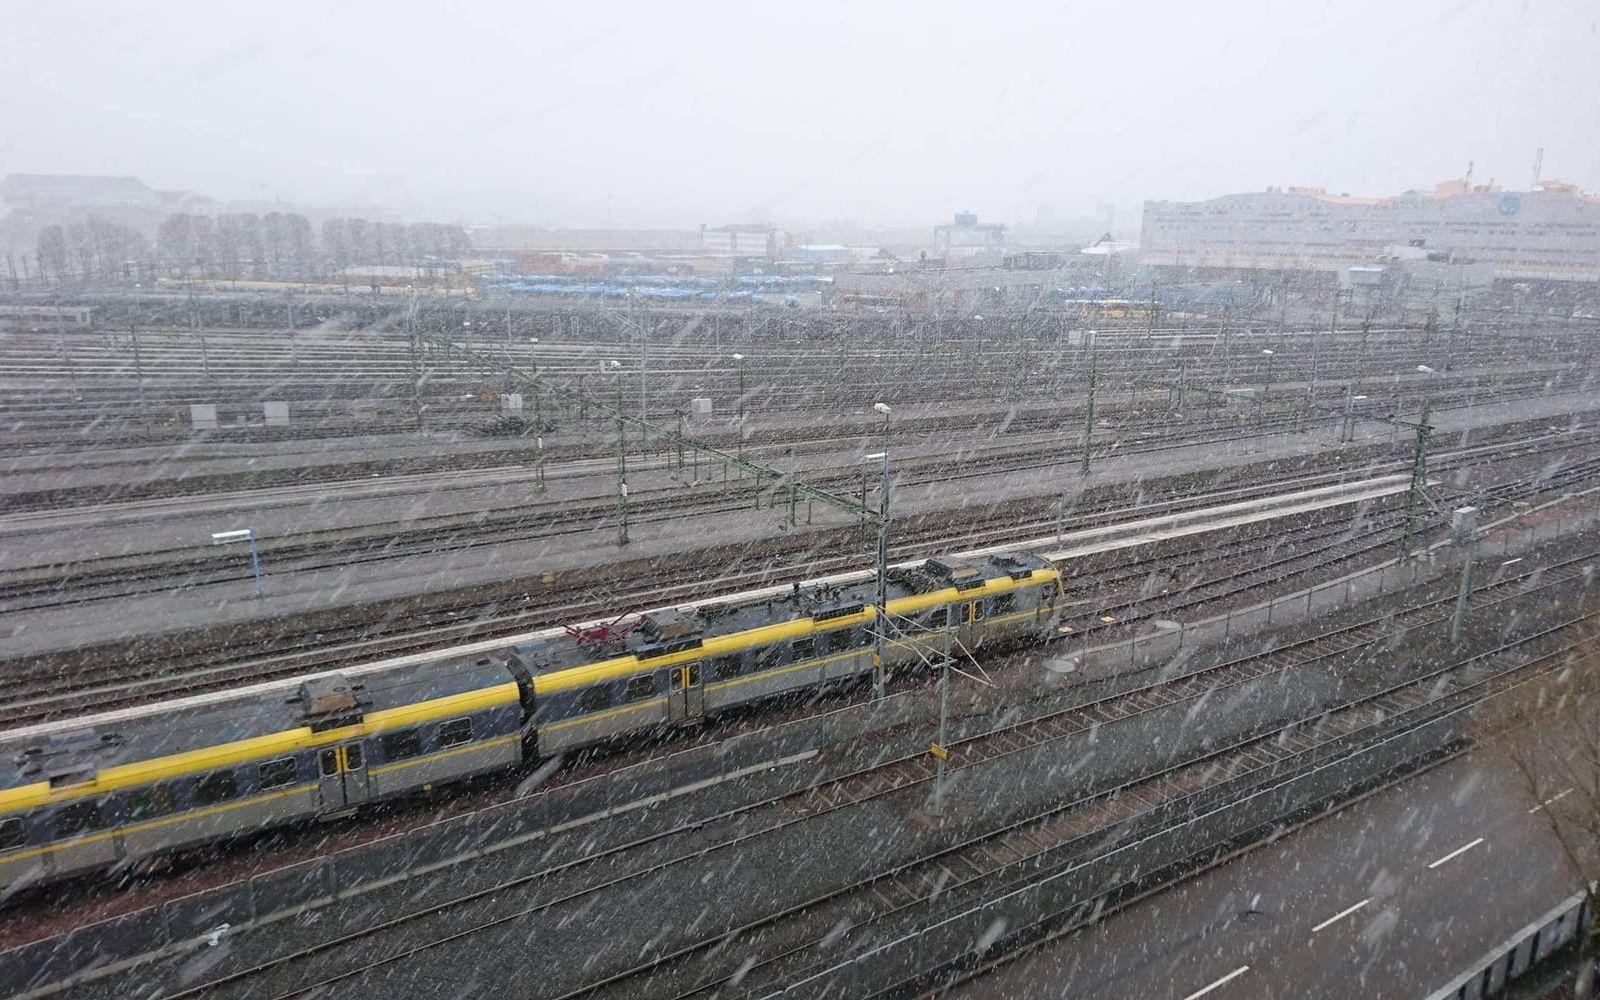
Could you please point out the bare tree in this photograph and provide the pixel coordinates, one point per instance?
(1548, 732)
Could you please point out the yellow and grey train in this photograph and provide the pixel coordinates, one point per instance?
(90, 793)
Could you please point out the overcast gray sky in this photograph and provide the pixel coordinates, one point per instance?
(681, 113)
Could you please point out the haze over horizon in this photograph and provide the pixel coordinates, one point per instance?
(886, 114)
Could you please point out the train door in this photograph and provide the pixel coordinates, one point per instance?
(343, 775)
(970, 618)
(686, 697)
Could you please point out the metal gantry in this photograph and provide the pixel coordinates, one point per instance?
(644, 429)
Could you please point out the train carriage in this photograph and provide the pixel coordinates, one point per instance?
(88, 793)
(672, 668)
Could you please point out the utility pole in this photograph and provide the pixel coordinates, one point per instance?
(880, 623)
(1419, 483)
(739, 358)
(622, 469)
(1088, 414)
(1464, 525)
(942, 750)
(200, 330)
(1311, 388)
(138, 364)
(644, 367)
(416, 363)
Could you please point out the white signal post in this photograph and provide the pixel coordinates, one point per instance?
(242, 535)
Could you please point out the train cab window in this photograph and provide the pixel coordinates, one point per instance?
(803, 649)
(12, 834)
(839, 641)
(403, 745)
(277, 773)
(455, 732)
(219, 786)
(1003, 604)
(594, 699)
(723, 667)
(76, 818)
(328, 762)
(939, 618)
(146, 803)
(641, 687)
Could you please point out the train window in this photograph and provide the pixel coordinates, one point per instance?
(12, 834)
(455, 732)
(277, 773)
(977, 610)
(839, 641)
(939, 618)
(76, 818)
(352, 757)
(1003, 604)
(769, 657)
(219, 786)
(403, 745)
(723, 667)
(328, 762)
(144, 803)
(594, 699)
(641, 687)
(803, 649)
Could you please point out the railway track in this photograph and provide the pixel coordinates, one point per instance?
(725, 952)
(41, 694)
(45, 693)
(118, 577)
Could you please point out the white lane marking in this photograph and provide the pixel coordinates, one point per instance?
(1235, 974)
(1340, 915)
(1557, 797)
(1464, 848)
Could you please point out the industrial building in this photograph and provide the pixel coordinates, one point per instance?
(1551, 233)
(969, 240)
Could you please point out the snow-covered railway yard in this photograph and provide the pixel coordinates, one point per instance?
(795, 844)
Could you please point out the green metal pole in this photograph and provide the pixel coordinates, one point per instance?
(944, 724)
(1419, 482)
(622, 470)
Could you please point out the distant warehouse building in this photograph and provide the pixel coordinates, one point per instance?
(746, 241)
(1551, 233)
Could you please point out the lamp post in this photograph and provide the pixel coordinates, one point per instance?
(242, 535)
(881, 598)
(1266, 385)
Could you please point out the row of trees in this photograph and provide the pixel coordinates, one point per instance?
(96, 250)
(277, 245)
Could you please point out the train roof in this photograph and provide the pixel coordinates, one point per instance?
(668, 630)
(65, 748)
(141, 732)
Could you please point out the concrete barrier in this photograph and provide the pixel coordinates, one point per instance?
(1502, 538)
(1518, 954)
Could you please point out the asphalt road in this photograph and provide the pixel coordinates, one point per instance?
(1389, 898)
